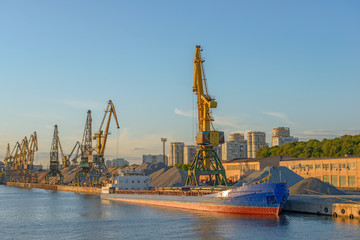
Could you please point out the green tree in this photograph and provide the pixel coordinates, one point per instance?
(337, 147)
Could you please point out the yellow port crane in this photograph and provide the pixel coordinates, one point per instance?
(10, 163)
(31, 148)
(101, 135)
(19, 162)
(98, 168)
(64, 159)
(206, 161)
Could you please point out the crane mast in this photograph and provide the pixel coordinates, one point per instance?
(11, 166)
(86, 144)
(100, 135)
(19, 162)
(206, 161)
(98, 168)
(31, 148)
(86, 153)
(54, 158)
(64, 159)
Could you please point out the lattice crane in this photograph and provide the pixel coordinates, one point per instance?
(98, 168)
(206, 161)
(86, 153)
(54, 159)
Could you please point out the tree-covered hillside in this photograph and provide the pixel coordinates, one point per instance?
(337, 147)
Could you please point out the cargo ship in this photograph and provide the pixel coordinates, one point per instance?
(257, 199)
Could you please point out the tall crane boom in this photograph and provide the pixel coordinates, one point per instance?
(100, 135)
(204, 101)
(86, 144)
(206, 161)
(32, 148)
(54, 158)
(207, 136)
(98, 168)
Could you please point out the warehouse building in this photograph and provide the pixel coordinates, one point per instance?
(341, 172)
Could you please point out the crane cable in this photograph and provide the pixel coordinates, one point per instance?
(117, 143)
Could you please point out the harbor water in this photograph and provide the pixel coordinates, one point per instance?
(45, 214)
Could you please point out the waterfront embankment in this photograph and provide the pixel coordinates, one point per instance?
(85, 190)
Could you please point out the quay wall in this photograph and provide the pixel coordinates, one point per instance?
(85, 190)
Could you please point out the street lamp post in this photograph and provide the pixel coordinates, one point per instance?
(164, 140)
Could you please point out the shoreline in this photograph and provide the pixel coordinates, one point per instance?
(75, 189)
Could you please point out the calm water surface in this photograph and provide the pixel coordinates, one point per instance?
(43, 214)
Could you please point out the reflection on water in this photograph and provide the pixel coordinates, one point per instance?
(44, 214)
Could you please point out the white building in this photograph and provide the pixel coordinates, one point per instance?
(176, 153)
(189, 153)
(255, 140)
(154, 158)
(281, 136)
(132, 180)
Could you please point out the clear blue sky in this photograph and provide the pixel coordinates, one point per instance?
(268, 64)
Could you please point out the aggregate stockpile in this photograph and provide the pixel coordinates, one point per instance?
(161, 175)
(68, 173)
(277, 175)
(314, 186)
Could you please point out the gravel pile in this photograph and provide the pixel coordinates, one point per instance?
(69, 174)
(174, 177)
(314, 186)
(41, 176)
(162, 175)
(149, 168)
(278, 174)
(157, 174)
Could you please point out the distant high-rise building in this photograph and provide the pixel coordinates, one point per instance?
(239, 138)
(108, 163)
(230, 150)
(154, 158)
(189, 153)
(118, 162)
(236, 137)
(218, 150)
(176, 153)
(255, 140)
(168, 159)
(281, 136)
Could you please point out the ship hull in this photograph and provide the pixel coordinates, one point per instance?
(252, 200)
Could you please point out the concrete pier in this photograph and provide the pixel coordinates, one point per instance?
(332, 205)
(85, 190)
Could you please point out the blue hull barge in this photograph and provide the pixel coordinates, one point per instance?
(257, 199)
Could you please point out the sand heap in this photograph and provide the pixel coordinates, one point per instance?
(173, 177)
(278, 174)
(314, 186)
